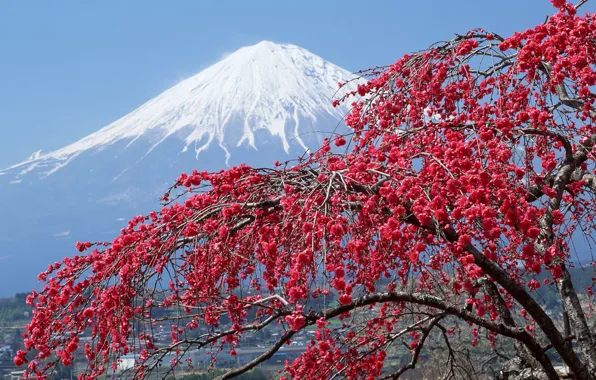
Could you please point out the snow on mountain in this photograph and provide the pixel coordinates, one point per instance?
(281, 89)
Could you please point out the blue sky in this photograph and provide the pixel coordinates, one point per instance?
(68, 68)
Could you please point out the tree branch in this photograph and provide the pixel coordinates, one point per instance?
(265, 356)
(412, 364)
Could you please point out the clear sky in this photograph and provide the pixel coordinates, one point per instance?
(68, 68)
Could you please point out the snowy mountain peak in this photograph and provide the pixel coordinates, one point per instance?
(281, 89)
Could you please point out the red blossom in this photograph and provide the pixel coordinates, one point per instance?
(345, 299)
(557, 3)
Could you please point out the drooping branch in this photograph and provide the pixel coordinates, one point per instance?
(260, 359)
(416, 354)
(503, 310)
(418, 299)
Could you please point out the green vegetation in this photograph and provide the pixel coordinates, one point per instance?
(14, 309)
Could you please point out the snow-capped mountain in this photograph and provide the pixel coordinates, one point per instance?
(261, 103)
(281, 89)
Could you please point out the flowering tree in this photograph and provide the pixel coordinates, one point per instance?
(467, 170)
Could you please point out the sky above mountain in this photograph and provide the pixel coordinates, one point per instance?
(69, 68)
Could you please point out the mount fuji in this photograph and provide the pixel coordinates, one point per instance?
(261, 103)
